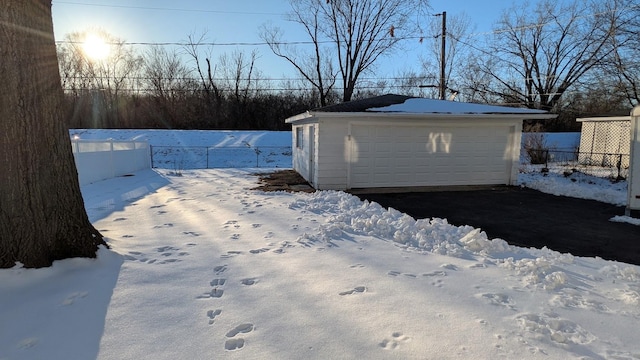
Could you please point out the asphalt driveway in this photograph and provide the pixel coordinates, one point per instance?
(528, 218)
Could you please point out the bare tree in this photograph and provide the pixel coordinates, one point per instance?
(169, 84)
(42, 215)
(347, 35)
(623, 62)
(241, 80)
(239, 74)
(213, 95)
(108, 82)
(315, 66)
(540, 53)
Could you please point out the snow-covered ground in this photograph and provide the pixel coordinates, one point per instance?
(203, 267)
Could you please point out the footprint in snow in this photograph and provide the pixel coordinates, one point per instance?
(217, 290)
(396, 273)
(449, 267)
(211, 314)
(356, 290)
(234, 343)
(192, 233)
(435, 273)
(230, 254)
(218, 282)
(498, 299)
(249, 281)
(258, 251)
(220, 269)
(74, 296)
(230, 223)
(394, 342)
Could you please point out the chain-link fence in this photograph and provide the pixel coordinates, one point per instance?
(610, 165)
(212, 157)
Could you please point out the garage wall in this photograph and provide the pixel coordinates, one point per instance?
(301, 150)
(444, 154)
(332, 154)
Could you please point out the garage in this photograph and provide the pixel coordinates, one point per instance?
(395, 141)
(393, 156)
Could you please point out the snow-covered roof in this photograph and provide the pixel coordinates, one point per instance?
(432, 106)
(412, 106)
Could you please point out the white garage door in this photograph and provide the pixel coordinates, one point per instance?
(396, 156)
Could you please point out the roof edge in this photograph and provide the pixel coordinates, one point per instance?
(321, 114)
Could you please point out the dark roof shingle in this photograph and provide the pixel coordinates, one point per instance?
(364, 104)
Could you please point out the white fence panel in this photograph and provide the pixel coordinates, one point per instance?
(104, 159)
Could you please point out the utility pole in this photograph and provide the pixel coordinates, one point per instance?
(442, 55)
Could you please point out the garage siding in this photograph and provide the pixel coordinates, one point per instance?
(301, 150)
(332, 166)
(396, 156)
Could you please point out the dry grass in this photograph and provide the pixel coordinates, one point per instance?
(284, 180)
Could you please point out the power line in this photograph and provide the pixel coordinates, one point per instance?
(91, 77)
(493, 32)
(238, 43)
(537, 25)
(167, 9)
(151, 90)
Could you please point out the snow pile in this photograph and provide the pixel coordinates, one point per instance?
(349, 215)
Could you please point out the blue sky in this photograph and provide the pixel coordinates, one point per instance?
(153, 21)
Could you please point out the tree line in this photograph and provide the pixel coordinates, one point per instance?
(574, 58)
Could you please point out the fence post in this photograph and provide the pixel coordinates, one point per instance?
(619, 166)
(546, 158)
(151, 154)
(113, 165)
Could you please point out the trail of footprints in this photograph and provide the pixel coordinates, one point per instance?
(167, 255)
(233, 338)
(434, 276)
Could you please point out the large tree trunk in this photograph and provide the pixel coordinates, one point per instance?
(42, 215)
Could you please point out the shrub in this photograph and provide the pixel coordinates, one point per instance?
(536, 149)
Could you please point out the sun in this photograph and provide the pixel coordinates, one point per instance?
(95, 47)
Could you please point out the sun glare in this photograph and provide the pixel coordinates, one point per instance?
(95, 47)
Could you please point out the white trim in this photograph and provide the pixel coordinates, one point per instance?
(605, 118)
(299, 117)
(633, 183)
